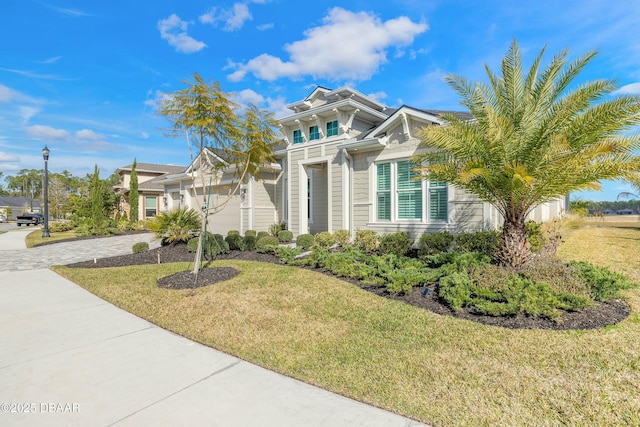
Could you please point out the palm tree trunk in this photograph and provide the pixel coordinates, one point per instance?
(515, 249)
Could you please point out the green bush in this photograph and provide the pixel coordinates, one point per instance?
(342, 237)
(267, 244)
(285, 236)
(233, 233)
(324, 240)
(305, 241)
(484, 242)
(367, 240)
(286, 254)
(252, 233)
(249, 243)
(274, 229)
(604, 284)
(235, 241)
(192, 245)
(395, 243)
(536, 238)
(140, 247)
(262, 234)
(60, 226)
(455, 290)
(177, 225)
(433, 243)
(214, 244)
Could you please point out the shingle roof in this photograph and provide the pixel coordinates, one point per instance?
(18, 201)
(153, 167)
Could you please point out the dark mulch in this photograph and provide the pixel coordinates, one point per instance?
(598, 316)
(75, 239)
(206, 277)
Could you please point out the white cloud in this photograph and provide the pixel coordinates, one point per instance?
(630, 89)
(51, 60)
(233, 18)
(26, 113)
(89, 135)
(47, 133)
(144, 135)
(378, 96)
(248, 96)
(174, 31)
(157, 99)
(265, 27)
(4, 158)
(9, 95)
(348, 45)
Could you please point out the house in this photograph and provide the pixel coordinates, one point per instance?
(625, 211)
(12, 206)
(345, 164)
(150, 192)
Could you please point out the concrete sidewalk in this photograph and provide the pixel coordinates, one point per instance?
(70, 358)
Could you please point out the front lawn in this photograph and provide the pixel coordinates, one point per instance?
(35, 237)
(438, 369)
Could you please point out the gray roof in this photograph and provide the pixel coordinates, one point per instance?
(18, 201)
(153, 167)
(462, 115)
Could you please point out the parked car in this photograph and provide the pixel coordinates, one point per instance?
(3, 218)
(29, 219)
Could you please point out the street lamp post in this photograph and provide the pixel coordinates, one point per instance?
(45, 156)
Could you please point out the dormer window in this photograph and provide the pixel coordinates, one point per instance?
(332, 128)
(297, 137)
(314, 133)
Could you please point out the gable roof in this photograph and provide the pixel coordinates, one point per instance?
(152, 168)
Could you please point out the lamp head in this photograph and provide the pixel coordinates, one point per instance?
(45, 153)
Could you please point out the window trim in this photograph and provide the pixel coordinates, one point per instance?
(314, 136)
(299, 136)
(337, 128)
(425, 191)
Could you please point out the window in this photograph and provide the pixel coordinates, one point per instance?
(297, 137)
(384, 191)
(150, 206)
(437, 200)
(411, 199)
(332, 128)
(409, 192)
(314, 133)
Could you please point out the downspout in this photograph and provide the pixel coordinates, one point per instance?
(350, 216)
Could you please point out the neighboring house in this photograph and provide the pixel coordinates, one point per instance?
(17, 205)
(150, 192)
(345, 164)
(625, 211)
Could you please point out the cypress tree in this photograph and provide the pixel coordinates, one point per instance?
(133, 193)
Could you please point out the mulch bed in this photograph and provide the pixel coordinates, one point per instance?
(598, 316)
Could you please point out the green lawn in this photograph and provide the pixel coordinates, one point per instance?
(436, 369)
(35, 237)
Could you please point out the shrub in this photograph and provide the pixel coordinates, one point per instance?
(484, 242)
(249, 243)
(140, 247)
(324, 240)
(252, 233)
(395, 243)
(192, 245)
(342, 237)
(233, 233)
(285, 236)
(177, 225)
(536, 239)
(367, 240)
(286, 254)
(267, 244)
(433, 243)
(274, 229)
(455, 290)
(305, 241)
(603, 283)
(262, 234)
(235, 241)
(214, 244)
(60, 226)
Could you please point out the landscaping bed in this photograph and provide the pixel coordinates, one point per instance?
(600, 315)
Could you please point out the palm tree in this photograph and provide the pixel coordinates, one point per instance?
(533, 138)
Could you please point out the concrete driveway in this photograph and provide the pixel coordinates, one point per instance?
(68, 358)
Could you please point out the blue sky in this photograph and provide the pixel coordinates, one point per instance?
(84, 77)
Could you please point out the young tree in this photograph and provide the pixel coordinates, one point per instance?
(133, 193)
(97, 198)
(532, 139)
(208, 117)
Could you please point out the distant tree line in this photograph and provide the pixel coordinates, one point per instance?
(594, 208)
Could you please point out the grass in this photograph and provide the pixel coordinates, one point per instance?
(436, 369)
(35, 237)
